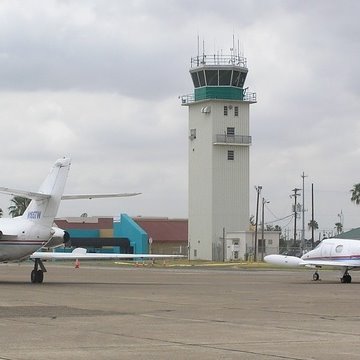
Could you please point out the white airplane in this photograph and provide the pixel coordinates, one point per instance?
(343, 254)
(23, 236)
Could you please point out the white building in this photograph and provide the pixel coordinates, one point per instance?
(219, 141)
(239, 245)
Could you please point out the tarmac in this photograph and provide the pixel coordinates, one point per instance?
(168, 313)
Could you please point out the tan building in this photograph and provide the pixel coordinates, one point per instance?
(166, 236)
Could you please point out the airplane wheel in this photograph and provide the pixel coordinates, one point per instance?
(40, 276)
(33, 276)
(37, 276)
(346, 279)
(316, 276)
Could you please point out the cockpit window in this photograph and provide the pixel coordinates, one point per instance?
(339, 248)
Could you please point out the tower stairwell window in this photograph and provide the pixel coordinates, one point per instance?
(230, 155)
(230, 131)
(236, 111)
(225, 110)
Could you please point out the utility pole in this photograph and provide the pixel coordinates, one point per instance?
(312, 215)
(303, 212)
(263, 229)
(295, 195)
(258, 190)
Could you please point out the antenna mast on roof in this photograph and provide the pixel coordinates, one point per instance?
(198, 50)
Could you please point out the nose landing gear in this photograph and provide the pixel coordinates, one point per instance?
(346, 278)
(316, 276)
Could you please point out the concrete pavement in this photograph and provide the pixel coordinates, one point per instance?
(144, 313)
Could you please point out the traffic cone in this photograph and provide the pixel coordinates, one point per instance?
(77, 264)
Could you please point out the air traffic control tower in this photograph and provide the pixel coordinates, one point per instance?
(219, 142)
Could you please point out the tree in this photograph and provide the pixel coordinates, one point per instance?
(19, 205)
(273, 228)
(339, 227)
(313, 225)
(355, 194)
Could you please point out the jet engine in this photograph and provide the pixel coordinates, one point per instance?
(59, 237)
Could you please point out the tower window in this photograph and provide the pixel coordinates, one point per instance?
(201, 78)
(236, 111)
(225, 77)
(235, 78)
(230, 131)
(225, 110)
(230, 155)
(195, 79)
(212, 77)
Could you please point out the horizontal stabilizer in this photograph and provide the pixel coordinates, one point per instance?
(25, 194)
(81, 254)
(97, 196)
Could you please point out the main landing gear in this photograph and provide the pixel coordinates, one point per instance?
(346, 278)
(37, 275)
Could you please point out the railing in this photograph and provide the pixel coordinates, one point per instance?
(190, 98)
(187, 99)
(250, 96)
(233, 139)
(216, 60)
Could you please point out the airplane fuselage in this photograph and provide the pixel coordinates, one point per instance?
(20, 237)
(344, 252)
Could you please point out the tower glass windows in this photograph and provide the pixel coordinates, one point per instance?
(195, 79)
(230, 155)
(235, 78)
(212, 77)
(201, 78)
(224, 77)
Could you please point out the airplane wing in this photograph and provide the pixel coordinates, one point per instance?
(97, 196)
(335, 263)
(23, 193)
(82, 254)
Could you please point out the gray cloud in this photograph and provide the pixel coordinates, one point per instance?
(100, 81)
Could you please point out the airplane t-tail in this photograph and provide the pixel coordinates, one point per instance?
(23, 236)
(343, 254)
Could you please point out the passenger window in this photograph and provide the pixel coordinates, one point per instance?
(339, 248)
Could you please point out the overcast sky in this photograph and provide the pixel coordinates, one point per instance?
(100, 80)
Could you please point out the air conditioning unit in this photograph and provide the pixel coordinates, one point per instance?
(206, 109)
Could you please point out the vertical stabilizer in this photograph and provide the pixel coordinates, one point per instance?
(44, 211)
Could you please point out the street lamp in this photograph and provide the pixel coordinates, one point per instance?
(263, 229)
(258, 190)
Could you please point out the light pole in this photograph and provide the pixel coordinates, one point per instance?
(263, 228)
(258, 190)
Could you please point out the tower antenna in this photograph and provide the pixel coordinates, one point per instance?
(203, 60)
(198, 49)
